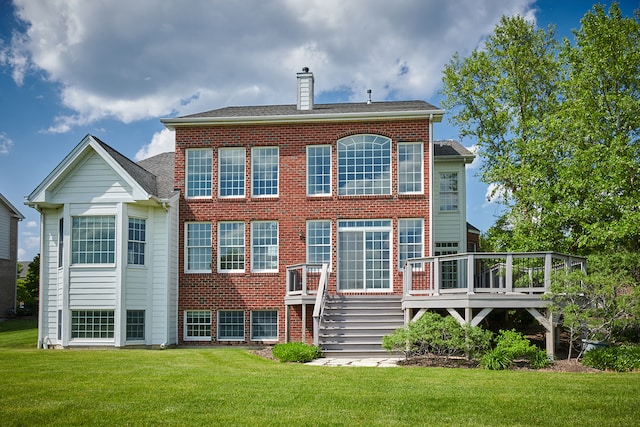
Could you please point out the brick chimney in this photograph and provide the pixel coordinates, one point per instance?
(305, 89)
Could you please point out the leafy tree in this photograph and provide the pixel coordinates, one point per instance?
(27, 288)
(558, 128)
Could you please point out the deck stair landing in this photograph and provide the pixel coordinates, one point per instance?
(354, 325)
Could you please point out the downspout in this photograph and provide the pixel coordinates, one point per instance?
(431, 244)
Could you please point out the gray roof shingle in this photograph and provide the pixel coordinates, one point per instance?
(450, 148)
(162, 166)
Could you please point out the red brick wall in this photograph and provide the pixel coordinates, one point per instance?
(251, 291)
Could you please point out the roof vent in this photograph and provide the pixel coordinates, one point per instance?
(305, 90)
(369, 93)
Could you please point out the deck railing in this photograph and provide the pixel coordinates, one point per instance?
(486, 272)
(303, 279)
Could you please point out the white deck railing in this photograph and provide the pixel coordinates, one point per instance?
(485, 272)
(302, 279)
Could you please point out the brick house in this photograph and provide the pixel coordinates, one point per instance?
(270, 193)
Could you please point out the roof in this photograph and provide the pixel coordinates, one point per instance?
(14, 212)
(162, 166)
(352, 111)
(450, 149)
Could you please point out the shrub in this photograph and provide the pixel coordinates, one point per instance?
(496, 359)
(441, 336)
(513, 345)
(622, 358)
(296, 352)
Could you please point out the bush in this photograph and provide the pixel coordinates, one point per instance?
(296, 352)
(622, 358)
(512, 345)
(441, 336)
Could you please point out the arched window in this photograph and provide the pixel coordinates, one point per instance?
(364, 165)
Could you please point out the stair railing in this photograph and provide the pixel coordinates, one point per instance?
(321, 297)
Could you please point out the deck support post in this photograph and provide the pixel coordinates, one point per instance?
(547, 322)
(304, 324)
(287, 322)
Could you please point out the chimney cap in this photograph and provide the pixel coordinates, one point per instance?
(305, 69)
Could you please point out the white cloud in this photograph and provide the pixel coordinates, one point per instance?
(32, 224)
(162, 141)
(477, 162)
(132, 60)
(495, 194)
(5, 143)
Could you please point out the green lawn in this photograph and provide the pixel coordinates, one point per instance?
(234, 387)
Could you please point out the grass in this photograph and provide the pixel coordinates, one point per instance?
(234, 387)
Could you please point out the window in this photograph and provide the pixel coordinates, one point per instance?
(231, 168)
(92, 324)
(198, 241)
(264, 171)
(318, 242)
(410, 158)
(319, 170)
(137, 239)
(364, 255)
(197, 325)
(264, 246)
(264, 325)
(198, 172)
(135, 324)
(231, 325)
(410, 240)
(364, 165)
(93, 240)
(448, 269)
(60, 241)
(448, 191)
(231, 247)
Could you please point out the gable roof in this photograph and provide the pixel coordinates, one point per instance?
(451, 150)
(12, 210)
(144, 182)
(162, 167)
(352, 111)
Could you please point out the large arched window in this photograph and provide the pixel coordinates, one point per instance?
(364, 165)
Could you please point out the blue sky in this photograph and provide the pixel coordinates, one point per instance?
(114, 68)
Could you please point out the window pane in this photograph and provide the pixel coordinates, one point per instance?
(137, 240)
(264, 163)
(231, 325)
(264, 246)
(231, 168)
(198, 173)
(448, 191)
(135, 324)
(264, 325)
(93, 240)
(319, 170)
(198, 246)
(197, 325)
(231, 246)
(410, 232)
(92, 323)
(410, 168)
(318, 242)
(448, 269)
(364, 165)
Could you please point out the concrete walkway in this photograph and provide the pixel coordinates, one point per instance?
(381, 362)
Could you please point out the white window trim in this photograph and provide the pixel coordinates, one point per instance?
(330, 171)
(144, 243)
(265, 339)
(185, 337)
(244, 328)
(330, 240)
(277, 245)
(421, 191)
(186, 174)
(244, 248)
(440, 192)
(253, 157)
(387, 188)
(400, 268)
(116, 251)
(186, 249)
(244, 175)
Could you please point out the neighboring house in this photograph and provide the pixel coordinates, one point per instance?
(108, 249)
(351, 185)
(9, 218)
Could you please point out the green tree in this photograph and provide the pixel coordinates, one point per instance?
(558, 128)
(28, 288)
